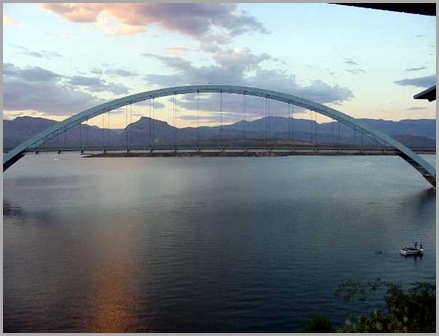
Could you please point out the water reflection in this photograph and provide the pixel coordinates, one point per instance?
(112, 290)
(196, 245)
(11, 210)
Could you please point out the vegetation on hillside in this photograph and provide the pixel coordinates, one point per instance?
(410, 309)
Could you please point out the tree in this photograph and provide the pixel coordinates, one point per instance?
(406, 310)
(318, 324)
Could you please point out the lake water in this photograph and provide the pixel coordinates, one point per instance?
(205, 244)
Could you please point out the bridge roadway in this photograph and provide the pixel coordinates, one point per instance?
(417, 162)
(227, 151)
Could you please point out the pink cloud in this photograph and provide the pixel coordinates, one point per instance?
(177, 50)
(75, 12)
(196, 20)
(8, 21)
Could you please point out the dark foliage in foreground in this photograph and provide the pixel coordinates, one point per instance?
(410, 310)
(318, 324)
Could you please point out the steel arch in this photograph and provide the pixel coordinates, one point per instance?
(421, 165)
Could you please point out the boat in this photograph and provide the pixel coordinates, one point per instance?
(409, 250)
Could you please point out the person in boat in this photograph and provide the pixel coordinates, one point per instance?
(416, 244)
(420, 246)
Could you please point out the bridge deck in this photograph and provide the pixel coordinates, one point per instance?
(225, 151)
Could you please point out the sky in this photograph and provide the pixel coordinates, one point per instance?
(60, 59)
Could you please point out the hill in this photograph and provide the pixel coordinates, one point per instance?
(146, 132)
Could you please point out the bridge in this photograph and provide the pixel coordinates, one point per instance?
(417, 162)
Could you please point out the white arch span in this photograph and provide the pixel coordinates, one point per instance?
(421, 165)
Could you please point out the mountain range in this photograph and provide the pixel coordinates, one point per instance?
(146, 132)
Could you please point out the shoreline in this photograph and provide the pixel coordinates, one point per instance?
(242, 154)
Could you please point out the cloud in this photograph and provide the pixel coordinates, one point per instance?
(83, 12)
(62, 35)
(241, 67)
(210, 118)
(350, 61)
(96, 71)
(39, 54)
(9, 21)
(355, 71)
(157, 105)
(415, 108)
(33, 74)
(44, 91)
(177, 50)
(41, 90)
(124, 29)
(84, 81)
(95, 84)
(200, 21)
(121, 73)
(423, 82)
(416, 69)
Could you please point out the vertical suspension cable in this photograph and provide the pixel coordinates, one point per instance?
(57, 141)
(339, 136)
(103, 131)
(176, 121)
(173, 120)
(288, 122)
(108, 128)
(292, 123)
(150, 124)
(126, 127)
(244, 107)
(315, 128)
(269, 117)
(86, 133)
(198, 120)
(362, 141)
(355, 137)
(65, 138)
(153, 121)
(221, 118)
(80, 136)
(266, 119)
(131, 126)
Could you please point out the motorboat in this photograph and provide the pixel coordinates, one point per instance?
(409, 250)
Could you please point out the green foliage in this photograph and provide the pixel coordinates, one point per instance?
(411, 310)
(318, 324)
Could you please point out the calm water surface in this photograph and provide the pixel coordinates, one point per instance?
(205, 244)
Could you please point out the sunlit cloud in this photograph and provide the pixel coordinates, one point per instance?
(201, 21)
(61, 35)
(9, 21)
(177, 50)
